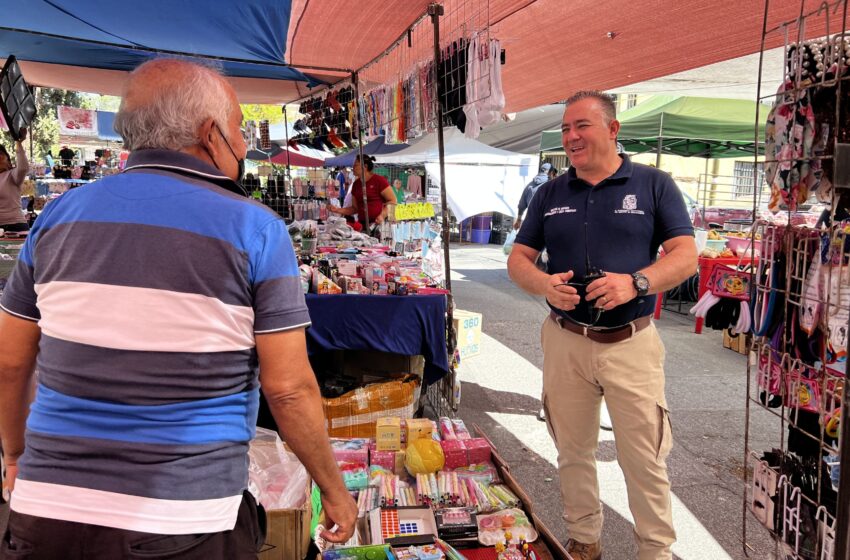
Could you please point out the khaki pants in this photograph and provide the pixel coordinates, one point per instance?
(576, 373)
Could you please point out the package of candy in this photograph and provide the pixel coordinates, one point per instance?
(447, 431)
(460, 429)
(354, 475)
(492, 528)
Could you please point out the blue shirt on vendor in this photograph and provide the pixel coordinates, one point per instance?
(610, 226)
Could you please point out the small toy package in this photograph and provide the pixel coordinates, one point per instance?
(460, 429)
(402, 526)
(447, 431)
(354, 450)
(492, 528)
(478, 450)
(388, 434)
(455, 453)
(419, 428)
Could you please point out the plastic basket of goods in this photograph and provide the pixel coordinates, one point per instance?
(740, 243)
(715, 244)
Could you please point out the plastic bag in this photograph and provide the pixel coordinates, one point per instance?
(276, 477)
(492, 528)
(509, 242)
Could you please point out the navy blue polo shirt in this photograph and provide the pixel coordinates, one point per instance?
(618, 225)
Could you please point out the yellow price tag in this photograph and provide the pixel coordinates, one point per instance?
(414, 211)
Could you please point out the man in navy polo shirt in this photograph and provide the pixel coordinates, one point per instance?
(602, 224)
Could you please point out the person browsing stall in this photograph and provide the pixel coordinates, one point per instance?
(602, 223)
(156, 304)
(11, 183)
(379, 193)
(530, 189)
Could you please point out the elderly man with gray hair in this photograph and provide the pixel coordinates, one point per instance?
(156, 303)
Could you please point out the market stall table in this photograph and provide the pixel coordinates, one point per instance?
(706, 265)
(409, 325)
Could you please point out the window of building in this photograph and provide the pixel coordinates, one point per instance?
(631, 100)
(743, 178)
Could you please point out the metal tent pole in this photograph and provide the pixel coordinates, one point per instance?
(660, 143)
(842, 515)
(287, 178)
(355, 78)
(435, 11)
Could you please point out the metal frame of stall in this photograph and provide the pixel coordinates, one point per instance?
(443, 397)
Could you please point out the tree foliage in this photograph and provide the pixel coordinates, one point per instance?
(255, 112)
(45, 128)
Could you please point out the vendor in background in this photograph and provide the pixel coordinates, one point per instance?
(66, 156)
(378, 194)
(11, 184)
(154, 462)
(398, 190)
(539, 180)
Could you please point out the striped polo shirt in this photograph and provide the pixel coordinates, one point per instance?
(149, 288)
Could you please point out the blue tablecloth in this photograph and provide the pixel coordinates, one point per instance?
(406, 325)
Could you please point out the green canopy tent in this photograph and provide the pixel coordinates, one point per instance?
(685, 126)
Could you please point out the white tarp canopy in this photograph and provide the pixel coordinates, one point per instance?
(522, 134)
(479, 178)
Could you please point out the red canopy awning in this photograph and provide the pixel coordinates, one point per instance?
(296, 159)
(553, 47)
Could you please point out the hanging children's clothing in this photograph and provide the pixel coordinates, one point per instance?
(486, 99)
(414, 185)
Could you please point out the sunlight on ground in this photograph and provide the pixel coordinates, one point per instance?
(501, 369)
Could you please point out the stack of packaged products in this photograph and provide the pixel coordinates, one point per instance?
(427, 490)
(372, 271)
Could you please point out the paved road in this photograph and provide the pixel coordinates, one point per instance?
(706, 387)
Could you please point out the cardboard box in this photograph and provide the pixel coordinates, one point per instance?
(288, 532)
(739, 343)
(388, 434)
(370, 366)
(419, 428)
(468, 328)
(354, 414)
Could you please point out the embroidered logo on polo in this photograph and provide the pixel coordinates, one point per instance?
(559, 210)
(629, 205)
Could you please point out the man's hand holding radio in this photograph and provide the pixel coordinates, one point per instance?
(611, 290)
(560, 293)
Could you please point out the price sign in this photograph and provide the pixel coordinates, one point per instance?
(415, 211)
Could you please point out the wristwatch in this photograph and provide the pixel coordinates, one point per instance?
(641, 283)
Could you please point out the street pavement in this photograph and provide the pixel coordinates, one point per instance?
(706, 393)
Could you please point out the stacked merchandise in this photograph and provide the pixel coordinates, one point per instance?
(425, 492)
(800, 322)
(801, 130)
(375, 271)
(801, 303)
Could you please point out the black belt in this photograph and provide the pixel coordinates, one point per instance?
(606, 336)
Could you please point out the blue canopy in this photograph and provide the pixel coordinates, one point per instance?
(248, 38)
(105, 126)
(376, 147)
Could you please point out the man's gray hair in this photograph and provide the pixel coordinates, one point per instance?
(169, 117)
(605, 100)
